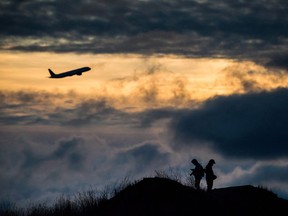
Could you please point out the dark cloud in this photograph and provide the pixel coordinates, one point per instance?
(279, 60)
(46, 108)
(140, 158)
(58, 163)
(69, 151)
(148, 117)
(269, 174)
(244, 126)
(33, 168)
(234, 29)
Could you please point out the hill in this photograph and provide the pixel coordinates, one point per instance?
(161, 196)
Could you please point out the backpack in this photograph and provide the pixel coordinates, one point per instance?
(200, 172)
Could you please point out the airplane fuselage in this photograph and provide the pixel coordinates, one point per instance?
(78, 72)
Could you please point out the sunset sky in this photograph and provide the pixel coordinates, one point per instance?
(170, 81)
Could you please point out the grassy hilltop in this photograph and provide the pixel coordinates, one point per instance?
(164, 196)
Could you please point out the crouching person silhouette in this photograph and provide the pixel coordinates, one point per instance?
(197, 172)
(210, 176)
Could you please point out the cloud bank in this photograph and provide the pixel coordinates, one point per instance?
(41, 165)
(238, 30)
(240, 126)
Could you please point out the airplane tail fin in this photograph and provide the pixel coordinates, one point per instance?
(51, 73)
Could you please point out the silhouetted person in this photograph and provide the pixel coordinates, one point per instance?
(210, 176)
(197, 172)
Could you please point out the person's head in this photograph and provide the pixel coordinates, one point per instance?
(194, 161)
(212, 161)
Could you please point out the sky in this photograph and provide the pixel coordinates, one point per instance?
(170, 81)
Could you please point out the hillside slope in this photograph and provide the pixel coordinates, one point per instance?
(158, 196)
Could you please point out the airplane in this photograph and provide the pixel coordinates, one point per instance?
(78, 72)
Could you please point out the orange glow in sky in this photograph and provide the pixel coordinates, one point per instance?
(136, 79)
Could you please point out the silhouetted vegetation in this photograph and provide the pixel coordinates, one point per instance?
(82, 203)
(164, 194)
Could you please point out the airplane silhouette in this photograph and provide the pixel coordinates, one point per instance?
(78, 72)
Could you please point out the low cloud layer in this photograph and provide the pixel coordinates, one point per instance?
(239, 30)
(41, 169)
(251, 125)
(43, 159)
(239, 126)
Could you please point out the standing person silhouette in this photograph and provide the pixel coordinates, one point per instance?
(210, 176)
(197, 172)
